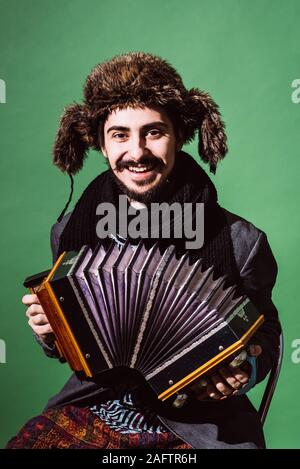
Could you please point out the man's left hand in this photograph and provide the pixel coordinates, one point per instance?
(227, 381)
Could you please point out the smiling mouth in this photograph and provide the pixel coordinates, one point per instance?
(140, 168)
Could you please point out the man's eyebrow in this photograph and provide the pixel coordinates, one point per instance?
(144, 127)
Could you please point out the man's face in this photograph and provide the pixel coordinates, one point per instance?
(140, 147)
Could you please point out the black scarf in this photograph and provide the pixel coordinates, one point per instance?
(188, 182)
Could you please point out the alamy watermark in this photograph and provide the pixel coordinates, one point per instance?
(296, 352)
(295, 96)
(2, 351)
(2, 92)
(159, 220)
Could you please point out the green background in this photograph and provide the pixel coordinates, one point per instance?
(246, 54)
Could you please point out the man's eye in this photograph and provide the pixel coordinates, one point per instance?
(154, 133)
(119, 135)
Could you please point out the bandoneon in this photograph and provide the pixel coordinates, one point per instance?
(147, 309)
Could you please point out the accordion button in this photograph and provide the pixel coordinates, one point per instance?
(61, 299)
(221, 348)
(87, 355)
(180, 401)
(171, 382)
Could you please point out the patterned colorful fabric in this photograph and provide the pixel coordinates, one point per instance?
(72, 427)
(122, 416)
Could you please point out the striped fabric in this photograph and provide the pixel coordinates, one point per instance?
(122, 416)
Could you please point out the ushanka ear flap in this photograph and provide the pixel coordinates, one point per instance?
(212, 145)
(73, 139)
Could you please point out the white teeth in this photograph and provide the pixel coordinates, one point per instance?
(140, 169)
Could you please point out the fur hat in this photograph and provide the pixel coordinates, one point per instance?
(137, 79)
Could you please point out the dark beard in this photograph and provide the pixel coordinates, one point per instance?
(155, 194)
(159, 193)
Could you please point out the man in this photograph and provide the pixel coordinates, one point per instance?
(138, 113)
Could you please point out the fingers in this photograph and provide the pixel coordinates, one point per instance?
(230, 378)
(37, 318)
(40, 325)
(209, 390)
(33, 310)
(213, 393)
(224, 383)
(221, 385)
(30, 299)
(238, 374)
(227, 380)
(42, 330)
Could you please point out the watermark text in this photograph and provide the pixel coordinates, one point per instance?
(295, 96)
(158, 220)
(2, 351)
(2, 92)
(296, 352)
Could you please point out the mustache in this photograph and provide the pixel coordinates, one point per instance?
(146, 160)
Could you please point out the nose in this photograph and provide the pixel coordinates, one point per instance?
(137, 147)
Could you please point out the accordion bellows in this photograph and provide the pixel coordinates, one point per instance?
(146, 309)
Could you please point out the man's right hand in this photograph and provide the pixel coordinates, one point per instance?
(37, 318)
